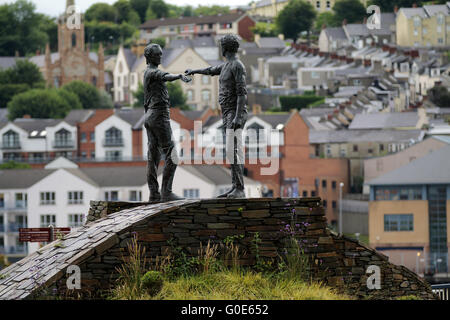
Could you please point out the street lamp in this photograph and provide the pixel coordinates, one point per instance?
(417, 262)
(341, 185)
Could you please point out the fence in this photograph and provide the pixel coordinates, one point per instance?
(442, 290)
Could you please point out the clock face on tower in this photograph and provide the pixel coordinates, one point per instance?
(74, 67)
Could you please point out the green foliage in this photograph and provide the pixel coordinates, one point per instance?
(351, 10)
(325, 18)
(140, 6)
(152, 282)
(71, 98)
(410, 297)
(101, 11)
(160, 41)
(13, 165)
(8, 91)
(139, 96)
(298, 102)
(159, 8)
(102, 31)
(88, 95)
(265, 29)
(39, 103)
(211, 10)
(296, 17)
(440, 96)
(21, 29)
(177, 97)
(24, 72)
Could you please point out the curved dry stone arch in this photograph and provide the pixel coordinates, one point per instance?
(100, 246)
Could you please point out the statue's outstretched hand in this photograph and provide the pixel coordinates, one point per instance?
(189, 72)
(185, 78)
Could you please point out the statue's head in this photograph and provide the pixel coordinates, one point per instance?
(153, 54)
(229, 43)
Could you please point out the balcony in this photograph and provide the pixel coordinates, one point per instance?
(64, 144)
(2, 228)
(10, 145)
(118, 142)
(14, 227)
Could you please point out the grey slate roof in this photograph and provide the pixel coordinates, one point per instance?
(217, 175)
(169, 55)
(336, 33)
(40, 59)
(384, 120)
(22, 178)
(220, 18)
(132, 116)
(411, 12)
(433, 168)
(271, 42)
(264, 3)
(39, 125)
(8, 62)
(433, 10)
(77, 116)
(130, 57)
(344, 136)
(273, 119)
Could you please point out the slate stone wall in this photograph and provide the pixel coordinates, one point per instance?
(337, 261)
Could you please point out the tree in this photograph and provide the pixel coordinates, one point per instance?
(101, 12)
(88, 95)
(325, 18)
(8, 91)
(351, 10)
(188, 11)
(265, 29)
(140, 6)
(389, 5)
(177, 97)
(39, 103)
(160, 41)
(159, 8)
(296, 17)
(139, 96)
(124, 10)
(211, 10)
(21, 29)
(13, 165)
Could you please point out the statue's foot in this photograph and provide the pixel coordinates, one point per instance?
(170, 197)
(236, 194)
(155, 198)
(225, 195)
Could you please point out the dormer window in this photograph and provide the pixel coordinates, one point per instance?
(10, 140)
(113, 137)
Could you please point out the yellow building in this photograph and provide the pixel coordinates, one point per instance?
(424, 27)
(409, 212)
(271, 8)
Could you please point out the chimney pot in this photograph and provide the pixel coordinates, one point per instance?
(26, 116)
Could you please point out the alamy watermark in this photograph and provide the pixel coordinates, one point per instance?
(374, 21)
(73, 18)
(74, 277)
(374, 280)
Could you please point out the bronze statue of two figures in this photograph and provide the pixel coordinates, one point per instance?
(232, 100)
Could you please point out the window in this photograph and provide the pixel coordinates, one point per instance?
(328, 147)
(394, 193)
(76, 220)
(440, 40)
(74, 40)
(63, 139)
(324, 203)
(113, 155)
(381, 147)
(92, 136)
(21, 200)
(135, 195)
(305, 193)
(83, 137)
(2, 200)
(48, 219)
(424, 30)
(333, 184)
(355, 148)
(324, 183)
(75, 197)
(92, 154)
(112, 195)
(206, 79)
(315, 75)
(313, 193)
(113, 137)
(11, 140)
(206, 95)
(417, 21)
(333, 203)
(370, 151)
(440, 18)
(47, 198)
(398, 222)
(191, 193)
(83, 155)
(318, 4)
(190, 95)
(343, 153)
(328, 5)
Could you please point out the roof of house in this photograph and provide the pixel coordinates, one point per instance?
(130, 115)
(39, 125)
(21, 178)
(169, 55)
(114, 176)
(433, 10)
(40, 59)
(214, 174)
(271, 42)
(336, 33)
(433, 168)
(220, 18)
(343, 136)
(273, 119)
(8, 62)
(384, 120)
(411, 12)
(78, 115)
(197, 42)
(264, 3)
(130, 57)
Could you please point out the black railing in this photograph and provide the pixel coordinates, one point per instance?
(61, 144)
(118, 142)
(10, 146)
(442, 290)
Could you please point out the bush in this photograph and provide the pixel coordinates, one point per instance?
(8, 91)
(299, 102)
(14, 165)
(89, 96)
(152, 282)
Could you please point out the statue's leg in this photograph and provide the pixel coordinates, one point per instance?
(154, 157)
(237, 168)
(170, 157)
(227, 118)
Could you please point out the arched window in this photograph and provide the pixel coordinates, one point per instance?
(206, 95)
(63, 139)
(190, 95)
(74, 40)
(94, 81)
(11, 140)
(113, 137)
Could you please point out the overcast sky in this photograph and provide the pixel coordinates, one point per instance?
(56, 7)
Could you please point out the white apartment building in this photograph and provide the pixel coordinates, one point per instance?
(37, 139)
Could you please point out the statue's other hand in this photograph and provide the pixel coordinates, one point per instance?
(186, 79)
(188, 72)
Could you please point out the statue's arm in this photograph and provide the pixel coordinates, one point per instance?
(210, 71)
(241, 92)
(173, 77)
